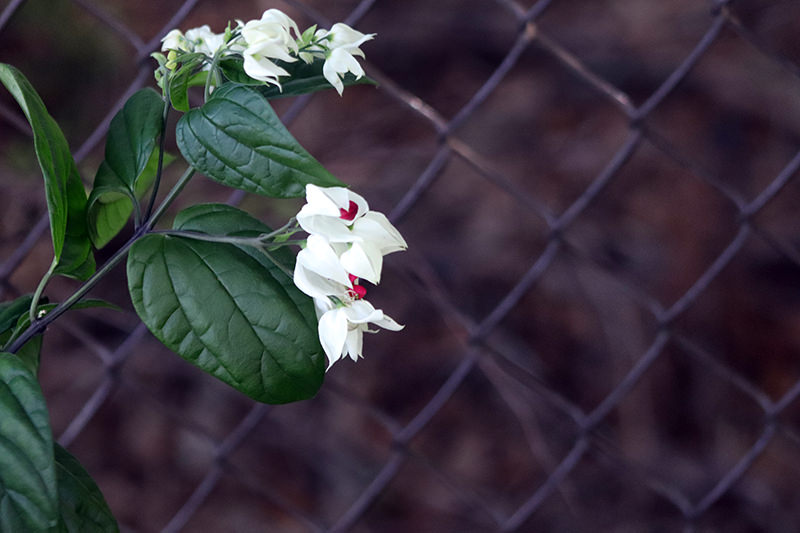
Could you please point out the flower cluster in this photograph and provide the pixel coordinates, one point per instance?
(274, 38)
(346, 243)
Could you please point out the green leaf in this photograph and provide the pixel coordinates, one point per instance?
(28, 487)
(129, 167)
(238, 140)
(11, 311)
(81, 504)
(110, 204)
(224, 310)
(223, 219)
(307, 78)
(66, 198)
(30, 354)
(132, 135)
(183, 78)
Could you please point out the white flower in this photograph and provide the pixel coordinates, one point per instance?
(343, 44)
(274, 25)
(266, 39)
(346, 242)
(331, 211)
(341, 328)
(338, 298)
(373, 237)
(318, 271)
(360, 237)
(204, 40)
(174, 40)
(258, 66)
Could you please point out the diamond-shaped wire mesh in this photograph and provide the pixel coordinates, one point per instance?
(600, 297)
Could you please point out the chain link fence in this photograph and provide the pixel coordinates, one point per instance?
(601, 295)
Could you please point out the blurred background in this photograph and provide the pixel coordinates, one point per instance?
(601, 293)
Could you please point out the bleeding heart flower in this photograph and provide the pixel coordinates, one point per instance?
(343, 44)
(341, 328)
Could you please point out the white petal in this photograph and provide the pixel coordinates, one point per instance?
(274, 27)
(330, 74)
(328, 200)
(376, 229)
(363, 261)
(319, 257)
(174, 40)
(354, 343)
(325, 201)
(342, 61)
(269, 48)
(204, 40)
(262, 69)
(318, 271)
(386, 322)
(332, 229)
(343, 35)
(332, 331)
(362, 312)
(278, 16)
(322, 306)
(315, 285)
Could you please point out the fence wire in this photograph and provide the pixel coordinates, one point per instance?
(600, 294)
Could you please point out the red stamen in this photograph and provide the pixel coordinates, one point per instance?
(360, 291)
(349, 213)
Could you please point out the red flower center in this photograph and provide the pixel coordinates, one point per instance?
(358, 291)
(349, 213)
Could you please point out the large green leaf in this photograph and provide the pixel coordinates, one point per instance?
(81, 504)
(28, 488)
(224, 310)
(223, 219)
(238, 140)
(66, 198)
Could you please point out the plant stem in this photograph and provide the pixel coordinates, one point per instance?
(37, 295)
(280, 230)
(212, 73)
(288, 242)
(160, 168)
(38, 326)
(253, 242)
(181, 183)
